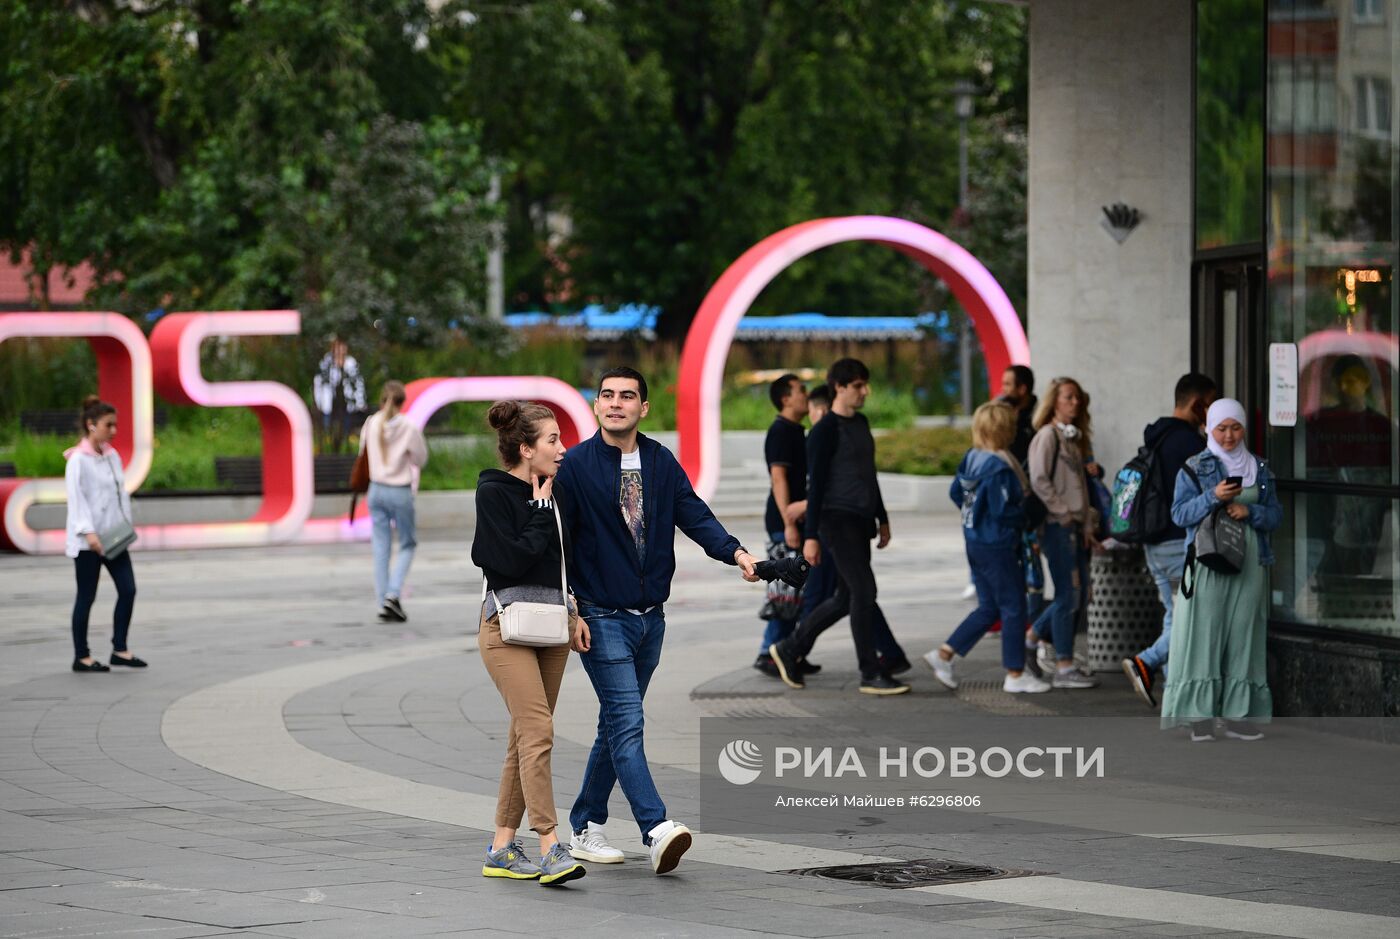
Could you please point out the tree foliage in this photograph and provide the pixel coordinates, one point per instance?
(212, 154)
(334, 155)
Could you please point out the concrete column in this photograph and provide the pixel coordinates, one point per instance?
(1110, 121)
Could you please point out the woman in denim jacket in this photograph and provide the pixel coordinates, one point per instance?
(1217, 658)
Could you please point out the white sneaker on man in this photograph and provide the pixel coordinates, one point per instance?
(1024, 683)
(592, 845)
(669, 841)
(969, 592)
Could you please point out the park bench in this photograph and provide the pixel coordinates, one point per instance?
(63, 421)
(7, 471)
(243, 474)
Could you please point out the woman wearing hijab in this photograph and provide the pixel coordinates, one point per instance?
(1217, 660)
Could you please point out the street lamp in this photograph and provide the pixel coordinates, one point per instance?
(964, 94)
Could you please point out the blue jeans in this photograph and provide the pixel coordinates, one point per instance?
(1167, 562)
(86, 568)
(777, 629)
(391, 505)
(625, 651)
(1063, 547)
(1001, 594)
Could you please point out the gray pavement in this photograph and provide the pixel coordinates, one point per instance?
(290, 767)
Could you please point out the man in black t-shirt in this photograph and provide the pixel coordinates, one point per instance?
(785, 451)
(844, 513)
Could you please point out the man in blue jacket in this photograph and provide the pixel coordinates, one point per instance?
(623, 497)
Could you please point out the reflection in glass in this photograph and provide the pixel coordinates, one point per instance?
(1229, 122)
(1333, 177)
(1337, 562)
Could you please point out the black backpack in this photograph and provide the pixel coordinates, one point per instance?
(1141, 511)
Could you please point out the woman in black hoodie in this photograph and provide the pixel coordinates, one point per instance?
(517, 546)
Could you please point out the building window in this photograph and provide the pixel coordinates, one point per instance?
(1368, 11)
(1303, 96)
(1372, 106)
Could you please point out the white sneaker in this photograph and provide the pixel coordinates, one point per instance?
(1024, 683)
(1045, 657)
(970, 592)
(669, 841)
(592, 845)
(942, 670)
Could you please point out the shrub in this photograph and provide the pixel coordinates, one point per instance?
(928, 451)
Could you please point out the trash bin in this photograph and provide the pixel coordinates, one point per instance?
(1125, 613)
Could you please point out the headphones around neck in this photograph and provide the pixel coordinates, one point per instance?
(1069, 430)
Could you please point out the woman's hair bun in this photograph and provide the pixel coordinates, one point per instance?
(503, 414)
(91, 401)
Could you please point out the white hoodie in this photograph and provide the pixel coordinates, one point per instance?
(97, 499)
(404, 453)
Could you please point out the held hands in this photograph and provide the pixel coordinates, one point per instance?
(1094, 469)
(884, 536)
(1238, 512)
(746, 562)
(94, 543)
(1225, 492)
(582, 640)
(812, 551)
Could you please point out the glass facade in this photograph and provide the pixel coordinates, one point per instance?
(1229, 138)
(1332, 189)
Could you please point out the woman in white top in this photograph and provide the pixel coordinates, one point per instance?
(396, 454)
(98, 503)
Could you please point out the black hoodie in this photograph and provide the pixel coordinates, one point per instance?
(516, 542)
(1179, 442)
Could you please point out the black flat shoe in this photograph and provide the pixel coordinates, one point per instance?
(96, 666)
(132, 662)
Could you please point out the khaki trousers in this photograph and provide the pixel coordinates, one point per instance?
(528, 679)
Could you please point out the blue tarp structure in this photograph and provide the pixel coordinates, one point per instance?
(602, 324)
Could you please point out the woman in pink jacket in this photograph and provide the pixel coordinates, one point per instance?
(396, 454)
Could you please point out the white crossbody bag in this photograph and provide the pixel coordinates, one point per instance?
(530, 623)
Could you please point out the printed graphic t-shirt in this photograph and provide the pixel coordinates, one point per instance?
(629, 497)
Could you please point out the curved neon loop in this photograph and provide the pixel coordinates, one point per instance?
(998, 328)
(124, 376)
(288, 477)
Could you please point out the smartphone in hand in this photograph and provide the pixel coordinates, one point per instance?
(1234, 480)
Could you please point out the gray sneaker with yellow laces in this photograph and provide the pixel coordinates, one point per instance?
(510, 862)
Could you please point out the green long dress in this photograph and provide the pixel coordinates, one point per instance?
(1216, 665)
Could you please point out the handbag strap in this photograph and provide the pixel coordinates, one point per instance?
(563, 573)
(118, 485)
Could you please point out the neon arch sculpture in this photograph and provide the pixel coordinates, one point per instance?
(123, 378)
(700, 386)
(130, 370)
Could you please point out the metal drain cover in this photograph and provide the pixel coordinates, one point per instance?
(900, 875)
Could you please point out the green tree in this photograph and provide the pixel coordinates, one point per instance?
(674, 136)
(213, 153)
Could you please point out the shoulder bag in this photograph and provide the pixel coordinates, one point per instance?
(116, 539)
(1219, 543)
(529, 622)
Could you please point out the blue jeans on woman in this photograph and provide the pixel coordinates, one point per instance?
(391, 506)
(625, 649)
(1063, 547)
(86, 568)
(1001, 595)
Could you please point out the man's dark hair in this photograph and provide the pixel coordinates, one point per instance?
(1193, 385)
(820, 395)
(1345, 363)
(780, 389)
(624, 371)
(1024, 376)
(846, 371)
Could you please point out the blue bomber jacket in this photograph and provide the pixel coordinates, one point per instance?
(1194, 500)
(604, 569)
